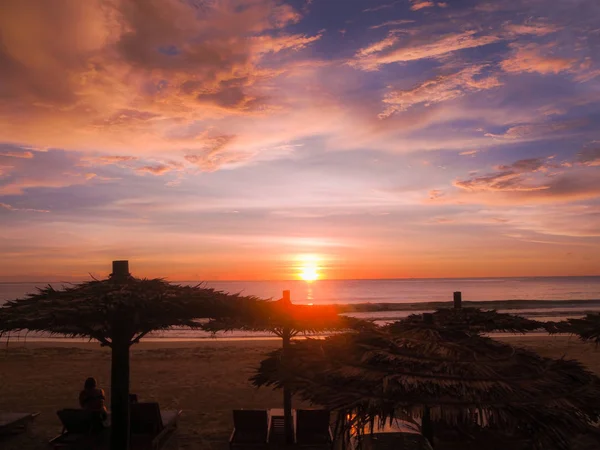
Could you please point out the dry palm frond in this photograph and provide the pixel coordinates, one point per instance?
(461, 378)
(587, 328)
(134, 307)
(281, 317)
(476, 320)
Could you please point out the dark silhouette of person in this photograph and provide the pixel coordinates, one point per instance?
(92, 398)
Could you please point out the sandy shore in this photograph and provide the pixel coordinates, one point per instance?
(205, 379)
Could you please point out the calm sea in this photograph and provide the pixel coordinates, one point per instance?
(391, 291)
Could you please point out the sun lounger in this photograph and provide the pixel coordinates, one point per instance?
(313, 429)
(250, 429)
(149, 426)
(82, 429)
(11, 423)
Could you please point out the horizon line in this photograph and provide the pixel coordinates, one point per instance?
(316, 281)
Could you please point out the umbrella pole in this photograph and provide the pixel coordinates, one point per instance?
(287, 395)
(426, 425)
(119, 396)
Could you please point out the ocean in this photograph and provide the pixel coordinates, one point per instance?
(393, 291)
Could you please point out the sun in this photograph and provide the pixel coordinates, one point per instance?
(309, 273)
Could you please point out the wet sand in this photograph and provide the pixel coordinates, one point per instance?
(205, 379)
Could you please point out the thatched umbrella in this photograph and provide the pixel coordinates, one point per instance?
(476, 320)
(287, 320)
(461, 378)
(586, 328)
(118, 312)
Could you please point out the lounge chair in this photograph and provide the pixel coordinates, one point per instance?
(313, 429)
(82, 429)
(149, 426)
(12, 423)
(250, 429)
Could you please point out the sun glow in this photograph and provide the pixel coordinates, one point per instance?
(309, 273)
(308, 268)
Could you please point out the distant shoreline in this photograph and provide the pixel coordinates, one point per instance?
(531, 277)
(485, 304)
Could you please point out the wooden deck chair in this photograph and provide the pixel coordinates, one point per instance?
(12, 423)
(250, 429)
(149, 426)
(82, 429)
(313, 428)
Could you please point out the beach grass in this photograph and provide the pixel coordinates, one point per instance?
(205, 379)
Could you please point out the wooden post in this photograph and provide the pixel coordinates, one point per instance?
(119, 373)
(426, 425)
(119, 395)
(120, 270)
(287, 395)
(457, 300)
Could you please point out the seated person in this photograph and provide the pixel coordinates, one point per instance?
(92, 398)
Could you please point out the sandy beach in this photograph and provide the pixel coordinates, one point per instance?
(205, 379)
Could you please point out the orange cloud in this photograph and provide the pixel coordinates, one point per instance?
(422, 48)
(536, 180)
(589, 157)
(439, 89)
(141, 74)
(26, 155)
(531, 131)
(392, 23)
(530, 28)
(531, 58)
(421, 4)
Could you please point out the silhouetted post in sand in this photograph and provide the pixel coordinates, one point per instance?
(287, 395)
(457, 300)
(119, 372)
(426, 425)
(118, 312)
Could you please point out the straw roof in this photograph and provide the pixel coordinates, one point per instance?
(476, 320)
(95, 309)
(462, 378)
(281, 317)
(587, 328)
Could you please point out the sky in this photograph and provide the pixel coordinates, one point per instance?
(262, 139)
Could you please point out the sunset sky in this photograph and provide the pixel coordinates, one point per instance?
(255, 139)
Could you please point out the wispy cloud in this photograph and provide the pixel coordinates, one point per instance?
(24, 154)
(536, 180)
(421, 4)
(380, 7)
(440, 89)
(538, 130)
(531, 58)
(415, 50)
(8, 207)
(392, 23)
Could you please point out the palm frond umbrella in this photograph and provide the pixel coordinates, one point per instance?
(118, 312)
(287, 320)
(476, 320)
(586, 328)
(460, 378)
